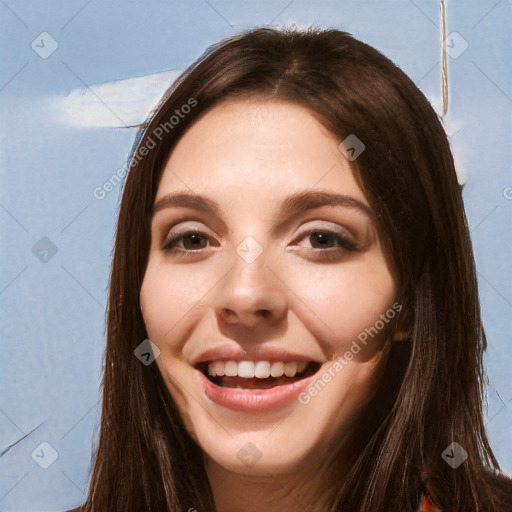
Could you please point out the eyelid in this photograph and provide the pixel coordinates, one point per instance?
(176, 235)
(177, 228)
(325, 226)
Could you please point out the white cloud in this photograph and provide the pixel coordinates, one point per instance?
(113, 104)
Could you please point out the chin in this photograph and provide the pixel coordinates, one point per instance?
(260, 454)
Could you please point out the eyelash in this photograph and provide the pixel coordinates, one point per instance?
(171, 243)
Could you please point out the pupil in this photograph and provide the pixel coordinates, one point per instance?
(321, 238)
(194, 239)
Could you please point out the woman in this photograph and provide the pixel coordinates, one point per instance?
(292, 240)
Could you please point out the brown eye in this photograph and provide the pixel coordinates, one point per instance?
(192, 241)
(325, 239)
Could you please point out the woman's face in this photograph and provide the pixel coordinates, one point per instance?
(272, 281)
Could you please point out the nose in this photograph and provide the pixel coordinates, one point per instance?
(251, 295)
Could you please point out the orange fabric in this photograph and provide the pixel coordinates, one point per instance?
(427, 503)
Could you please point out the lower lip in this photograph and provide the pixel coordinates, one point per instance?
(254, 400)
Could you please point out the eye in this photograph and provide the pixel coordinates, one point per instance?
(324, 239)
(327, 245)
(189, 241)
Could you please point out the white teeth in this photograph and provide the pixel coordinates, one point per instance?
(301, 366)
(277, 369)
(290, 368)
(246, 369)
(231, 368)
(219, 368)
(258, 369)
(262, 369)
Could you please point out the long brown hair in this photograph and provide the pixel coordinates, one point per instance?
(145, 459)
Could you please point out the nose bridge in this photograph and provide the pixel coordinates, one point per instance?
(250, 291)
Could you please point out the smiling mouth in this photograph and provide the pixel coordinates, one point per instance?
(260, 375)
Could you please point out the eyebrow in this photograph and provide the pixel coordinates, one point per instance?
(290, 206)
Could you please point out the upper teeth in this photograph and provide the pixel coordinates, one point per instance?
(259, 369)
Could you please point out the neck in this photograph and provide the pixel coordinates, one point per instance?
(302, 490)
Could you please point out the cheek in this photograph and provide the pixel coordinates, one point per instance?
(167, 295)
(349, 300)
(174, 298)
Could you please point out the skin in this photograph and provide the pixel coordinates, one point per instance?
(248, 156)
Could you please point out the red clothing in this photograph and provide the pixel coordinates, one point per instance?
(427, 503)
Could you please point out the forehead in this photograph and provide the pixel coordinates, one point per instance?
(247, 123)
(259, 146)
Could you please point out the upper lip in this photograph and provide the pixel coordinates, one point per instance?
(254, 353)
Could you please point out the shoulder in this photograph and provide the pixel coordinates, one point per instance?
(77, 509)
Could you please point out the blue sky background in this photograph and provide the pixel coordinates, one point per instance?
(52, 158)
